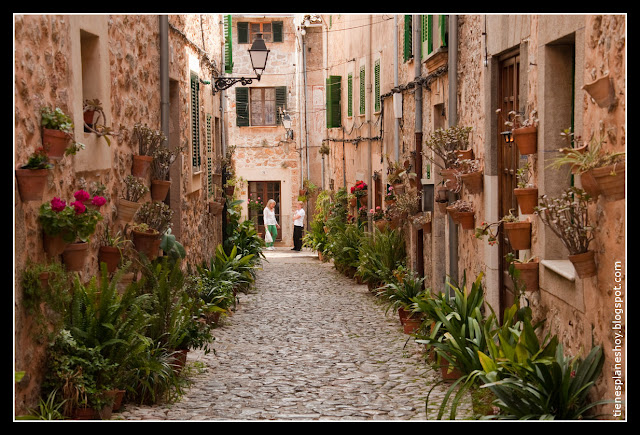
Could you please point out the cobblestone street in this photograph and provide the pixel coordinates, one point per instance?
(307, 344)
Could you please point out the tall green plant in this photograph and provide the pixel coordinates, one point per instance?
(381, 252)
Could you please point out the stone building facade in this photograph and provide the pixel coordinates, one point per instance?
(142, 69)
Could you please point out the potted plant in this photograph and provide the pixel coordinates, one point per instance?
(390, 196)
(359, 190)
(524, 131)
(110, 251)
(255, 204)
(399, 295)
(84, 222)
(461, 212)
(470, 173)
(95, 120)
(163, 158)
(31, 178)
(518, 233)
(526, 193)
(524, 272)
(216, 201)
(567, 216)
(152, 220)
(600, 171)
(444, 146)
(422, 221)
(57, 133)
(148, 141)
(128, 203)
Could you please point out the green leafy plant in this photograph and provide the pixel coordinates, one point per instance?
(155, 215)
(380, 254)
(38, 160)
(445, 142)
(588, 157)
(406, 286)
(74, 221)
(56, 119)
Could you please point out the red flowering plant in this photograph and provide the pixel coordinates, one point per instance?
(360, 189)
(74, 221)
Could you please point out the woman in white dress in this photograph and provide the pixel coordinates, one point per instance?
(270, 222)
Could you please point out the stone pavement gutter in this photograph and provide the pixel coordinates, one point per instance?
(308, 344)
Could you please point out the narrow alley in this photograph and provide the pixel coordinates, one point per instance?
(308, 344)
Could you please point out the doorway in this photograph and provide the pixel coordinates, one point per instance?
(263, 191)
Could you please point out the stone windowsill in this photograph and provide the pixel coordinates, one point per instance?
(563, 268)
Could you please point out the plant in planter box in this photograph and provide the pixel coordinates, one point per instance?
(57, 133)
(600, 171)
(567, 216)
(31, 178)
(526, 193)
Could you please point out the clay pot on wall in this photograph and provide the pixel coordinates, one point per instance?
(466, 219)
(74, 255)
(584, 264)
(159, 189)
(527, 139)
(472, 181)
(141, 166)
(519, 234)
(127, 209)
(31, 183)
(53, 245)
(451, 182)
(609, 180)
(109, 255)
(529, 274)
(527, 199)
(55, 142)
(147, 243)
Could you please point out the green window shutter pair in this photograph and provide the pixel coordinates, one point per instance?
(228, 45)
(408, 37)
(242, 104)
(376, 73)
(362, 90)
(427, 36)
(350, 95)
(333, 94)
(195, 121)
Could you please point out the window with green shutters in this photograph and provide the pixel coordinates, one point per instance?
(333, 94)
(350, 95)
(195, 121)
(209, 155)
(408, 37)
(427, 37)
(362, 90)
(260, 106)
(376, 74)
(271, 31)
(228, 45)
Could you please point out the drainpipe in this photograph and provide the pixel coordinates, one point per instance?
(417, 49)
(368, 109)
(452, 120)
(396, 143)
(164, 74)
(306, 127)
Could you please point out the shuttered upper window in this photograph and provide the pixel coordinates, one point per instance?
(362, 90)
(408, 37)
(333, 94)
(260, 106)
(271, 31)
(350, 95)
(195, 122)
(376, 73)
(228, 45)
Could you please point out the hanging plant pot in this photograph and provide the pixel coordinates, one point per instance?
(450, 179)
(215, 207)
(528, 274)
(472, 181)
(426, 228)
(302, 192)
(353, 201)
(228, 190)
(527, 139)
(584, 263)
(601, 91)
(147, 243)
(466, 219)
(453, 213)
(55, 142)
(31, 183)
(519, 234)
(465, 154)
(141, 166)
(610, 180)
(590, 185)
(398, 188)
(411, 324)
(159, 189)
(109, 255)
(527, 198)
(53, 245)
(88, 116)
(74, 255)
(127, 209)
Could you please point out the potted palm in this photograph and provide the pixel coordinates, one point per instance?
(526, 193)
(163, 158)
(31, 178)
(148, 141)
(128, 203)
(399, 295)
(567, 216)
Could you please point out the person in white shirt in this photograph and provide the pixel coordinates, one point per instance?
(270, 222)
(298, 226)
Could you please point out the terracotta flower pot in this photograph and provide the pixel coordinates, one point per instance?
(527, 139)
(381, 224)
(527, 199)
(53, 245)
(159, 189)
(589, 184)
(141, 166)
(610, 180)
(147, 243)
(55, 142)
(519, 234)
(85, 414)
(109, 255)
(411, 324)
(451, 181)
(353, 201)
(117, 400)
(529, 274)
(465, 154)
(31, 183)
(466, 219)
(585, 264)
(601, 91)
(398, 189)
(453, 213)
(228, 190)
(180, 359)
(74, 255)
(472, 181)
(448, 372)
(215, 207)
(127, 209)
(427, 227)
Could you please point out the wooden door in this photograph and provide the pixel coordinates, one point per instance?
(265, 190)
(507, 165)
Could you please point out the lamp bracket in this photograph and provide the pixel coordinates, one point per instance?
(222, 83)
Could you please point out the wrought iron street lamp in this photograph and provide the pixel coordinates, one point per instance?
(258, 54)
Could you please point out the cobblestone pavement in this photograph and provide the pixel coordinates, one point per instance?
(308, 344)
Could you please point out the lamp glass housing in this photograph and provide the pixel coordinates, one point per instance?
(258, 53)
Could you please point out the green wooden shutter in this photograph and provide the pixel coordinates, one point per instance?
(276, 27)
(209, 151)
(242, 107)
(333, 93)
(195, 121)
(362, 89)
(281, 102)
(228, 45)
(443, 30)
(427, 36)
(408, 37)
(350, 95)
(376, 73)
(243, 32)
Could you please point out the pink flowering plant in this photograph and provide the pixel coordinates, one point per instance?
(74, 221)
(377, 213)
(391, 194)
